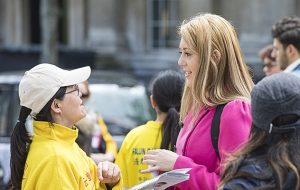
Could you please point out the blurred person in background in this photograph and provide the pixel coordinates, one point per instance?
(93, 136)
(271, 158)
(216, 78)
(286, 44)
(50, 158)
(166, 92)
(270, 66)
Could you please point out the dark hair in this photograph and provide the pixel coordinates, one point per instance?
(166, 89)
(20, 139)
(287, 31)
(266, 52)
(281, 152)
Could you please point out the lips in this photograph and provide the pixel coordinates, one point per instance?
(187, 73)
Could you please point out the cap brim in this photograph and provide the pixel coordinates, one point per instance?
(77, 76)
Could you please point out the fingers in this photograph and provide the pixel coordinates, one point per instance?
(108, 172)
(151, 169)
(153, 152)
(100, 169)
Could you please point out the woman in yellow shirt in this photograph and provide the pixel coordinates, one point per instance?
(51, 159)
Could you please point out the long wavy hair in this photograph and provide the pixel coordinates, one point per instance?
(222, 75)
(280, 150)
(21, 140)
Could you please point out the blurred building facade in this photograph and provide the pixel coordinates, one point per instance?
(135, 35)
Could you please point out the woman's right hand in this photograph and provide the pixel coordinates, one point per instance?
(161, 160)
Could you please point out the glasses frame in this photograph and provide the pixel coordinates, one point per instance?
(76, 89)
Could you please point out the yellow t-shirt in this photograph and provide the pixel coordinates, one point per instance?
(55, 161)
(135, 145)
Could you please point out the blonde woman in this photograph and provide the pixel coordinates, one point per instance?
(216, 75)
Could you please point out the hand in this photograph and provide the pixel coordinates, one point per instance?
(108, 173)
(161, 160)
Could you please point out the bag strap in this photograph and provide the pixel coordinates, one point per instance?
(215, 128)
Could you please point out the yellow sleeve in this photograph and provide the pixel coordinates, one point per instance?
(120, 161)
(111, 145)
(50, 177)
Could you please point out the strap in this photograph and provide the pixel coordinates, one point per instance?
(215, 128)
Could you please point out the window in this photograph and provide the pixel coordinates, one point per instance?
(35, 25)
(162, 22)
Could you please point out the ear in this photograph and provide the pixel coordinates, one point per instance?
(216, 56)
(292, 50)
(153, 102)
(56, 106)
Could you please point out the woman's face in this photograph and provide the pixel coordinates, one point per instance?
(72, 108)
(188, 61)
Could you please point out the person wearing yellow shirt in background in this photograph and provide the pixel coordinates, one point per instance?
(51, 159)
(166, 92)
(94, 137)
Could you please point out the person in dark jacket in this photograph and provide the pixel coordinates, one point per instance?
(271, 158)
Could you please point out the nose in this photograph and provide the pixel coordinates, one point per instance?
(180, 61)
(273, 54)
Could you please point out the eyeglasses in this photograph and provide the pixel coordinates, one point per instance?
(75, 90)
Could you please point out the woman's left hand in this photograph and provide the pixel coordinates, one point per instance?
(108, 172)
(160, 160)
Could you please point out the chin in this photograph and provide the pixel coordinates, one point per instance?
(188, 83)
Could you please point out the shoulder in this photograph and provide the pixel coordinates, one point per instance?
(238, 111)
(254, 175)
(136, 133)
(238, 105)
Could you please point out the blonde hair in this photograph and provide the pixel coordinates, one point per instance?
(222, 75)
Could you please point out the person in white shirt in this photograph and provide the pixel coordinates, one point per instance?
(286, 44)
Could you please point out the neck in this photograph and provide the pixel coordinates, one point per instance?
(59, 120)
(293, 58)
(160, 117)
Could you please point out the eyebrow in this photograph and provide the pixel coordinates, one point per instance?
(185, 48)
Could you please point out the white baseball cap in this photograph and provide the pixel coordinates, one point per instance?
(40, 84)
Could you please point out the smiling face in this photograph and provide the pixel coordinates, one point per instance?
(189, 62)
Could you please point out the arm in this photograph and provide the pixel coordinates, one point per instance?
(235, 127)
(111, 146)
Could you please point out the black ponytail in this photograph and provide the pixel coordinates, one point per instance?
(19, 146)
(166, 90)
(20, 139)
(170, 130)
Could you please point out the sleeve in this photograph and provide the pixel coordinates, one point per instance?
(235, 128)
(50, 176)
(111, 145)
(55, 174)
(121, 161)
